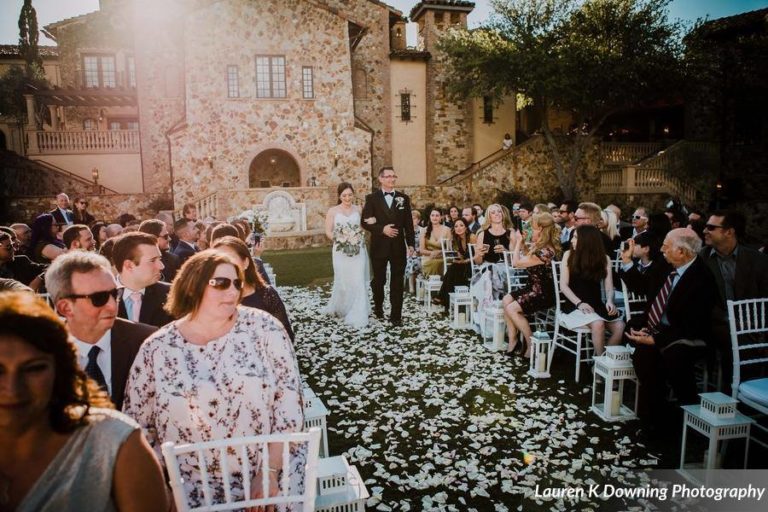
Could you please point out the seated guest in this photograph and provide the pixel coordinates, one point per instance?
(740, 273)
(139, 265)
(567, 223)
(202, 242)
(256, 292)
(171, 262)
(659, 224)
(639, 220)
(12, 285)
(413, 263)
(672, 335)
(44, 242)
(126, 219)
(460, 269)
(497, 236)
(470, 219)
(114, 230)
(643, 267)
(585, 267)
(81, 214)
(429, 245)
(18, 268)
(217, 349)
(224, 229)
(590, 214)
(538, 293)
(187, 234)
(609, 226)
(84, 291)
(62, 214)
(99, 232)
(78, 237)
(168, 219)
(62, 448)
(23, 235)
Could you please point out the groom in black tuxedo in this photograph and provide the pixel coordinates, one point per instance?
(392, 240)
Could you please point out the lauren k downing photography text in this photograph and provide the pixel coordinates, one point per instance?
(662, 493)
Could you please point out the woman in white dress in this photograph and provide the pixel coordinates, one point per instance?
(349, 298)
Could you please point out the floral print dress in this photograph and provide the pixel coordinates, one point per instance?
(241, 384)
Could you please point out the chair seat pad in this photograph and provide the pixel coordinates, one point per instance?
(755, 390)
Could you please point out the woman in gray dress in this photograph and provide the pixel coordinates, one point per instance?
(62, 447)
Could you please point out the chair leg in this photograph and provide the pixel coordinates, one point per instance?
(578, 355)
(552, 347)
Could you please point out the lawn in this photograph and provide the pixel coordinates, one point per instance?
(311, 266)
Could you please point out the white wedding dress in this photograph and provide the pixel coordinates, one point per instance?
(351, 276)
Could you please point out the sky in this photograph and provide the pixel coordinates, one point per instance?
(49, 11)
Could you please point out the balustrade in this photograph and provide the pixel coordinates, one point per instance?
(89, 141)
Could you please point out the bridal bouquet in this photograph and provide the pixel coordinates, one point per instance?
(348, 238)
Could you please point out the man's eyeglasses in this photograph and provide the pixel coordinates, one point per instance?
(387, 176)
(712, 227)
(98, 299)
(223, 283)
(580, 218)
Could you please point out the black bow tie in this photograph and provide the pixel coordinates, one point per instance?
(392, 194)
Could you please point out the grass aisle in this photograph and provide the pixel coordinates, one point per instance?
(435, 421)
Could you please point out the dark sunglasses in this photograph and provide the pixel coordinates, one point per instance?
(638, 217)
(712, 227)
(84, 203)
(98, 299)
(223, 283)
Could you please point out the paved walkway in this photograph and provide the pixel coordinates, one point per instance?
(435, 421)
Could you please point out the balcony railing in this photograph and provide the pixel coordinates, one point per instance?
(625, 153)
(90, 141)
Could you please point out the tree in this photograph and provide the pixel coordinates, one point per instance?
(28, 37)
(591, 59)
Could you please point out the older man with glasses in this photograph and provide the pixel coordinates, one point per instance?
(639, 221)
(84, 292)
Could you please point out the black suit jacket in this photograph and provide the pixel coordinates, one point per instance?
(399, 215)
(172, 264)
(59, 218)
(688, 306)
(751, 280)
(183, 251)
(22, 269)
(152, 312)
(261, 270)
(647, 282)
(127, 337)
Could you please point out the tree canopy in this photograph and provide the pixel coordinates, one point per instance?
(590, 58)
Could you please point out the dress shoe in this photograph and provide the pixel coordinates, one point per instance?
(396, 322)
(378, 313)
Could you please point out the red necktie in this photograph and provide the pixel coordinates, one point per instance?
(657, 309)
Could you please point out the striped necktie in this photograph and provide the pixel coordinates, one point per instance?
(657, 308)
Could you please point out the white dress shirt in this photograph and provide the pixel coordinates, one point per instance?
(104, 359)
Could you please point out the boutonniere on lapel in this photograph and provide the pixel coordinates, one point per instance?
(399, 201)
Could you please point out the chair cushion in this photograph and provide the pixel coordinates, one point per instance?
(755, 390)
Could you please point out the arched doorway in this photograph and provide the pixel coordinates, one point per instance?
(274, 168)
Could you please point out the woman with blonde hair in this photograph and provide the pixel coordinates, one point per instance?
(539, 292)
(609, 224)
(496, 236)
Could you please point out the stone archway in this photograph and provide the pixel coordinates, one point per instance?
(274, 168)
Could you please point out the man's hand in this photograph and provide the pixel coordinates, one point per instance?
(370, 220)
(390, 230)
(641, 337)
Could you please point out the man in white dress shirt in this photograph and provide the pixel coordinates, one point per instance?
(85, 294)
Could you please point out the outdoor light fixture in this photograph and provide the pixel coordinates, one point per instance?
(209, 160)
(336, 160)
(95, 175)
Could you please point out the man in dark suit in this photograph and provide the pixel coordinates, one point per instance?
(139, 265)
(19, 268)
(62, 214)
(673, 336)
(171, 262)
(392, 239)
(470, 218)
(740, 273)
(187, 233)
(85, 294)
(643, 268)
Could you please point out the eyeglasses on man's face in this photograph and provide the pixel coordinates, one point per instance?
(98, 299)
(712, 227)
(388, 176)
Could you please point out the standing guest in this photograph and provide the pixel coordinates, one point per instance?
(585, 266)
(219, 371)
(140, 265)
(187, 233)
(83, 289)
(460, 269)
(470, 219)
(78, 237)
(114, 230)
(507, 142)
(18, 267)
(567, 223)
(44, 243)
(257, 293)
(429, 245)
(189, 212)
(62, 214)
(23, 236)
(61, 447)
(171, 262)
(413, 263)
(99, 232)
(639, 221)
(81, 214)
(538, 293)
(673, 335)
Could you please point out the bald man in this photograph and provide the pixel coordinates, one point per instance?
(62, 214)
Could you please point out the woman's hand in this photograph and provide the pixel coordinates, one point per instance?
(585, 308)
(611, 308)
(256, 491)
(370, 220)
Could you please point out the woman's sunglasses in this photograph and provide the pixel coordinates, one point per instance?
(98, 299)
(223, 283)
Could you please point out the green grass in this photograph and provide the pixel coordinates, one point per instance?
(304, 267)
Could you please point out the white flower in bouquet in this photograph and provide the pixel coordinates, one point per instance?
(348, 238)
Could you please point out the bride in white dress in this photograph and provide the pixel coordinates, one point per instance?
(349, 298)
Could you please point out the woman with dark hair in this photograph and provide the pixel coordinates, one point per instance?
(256, 293)
(221, 370)
(81, 214)
(430, 247)
(460, 269)
(62, 447)
(99, 232)
(585, 266)
(349, 295)
(44, 243)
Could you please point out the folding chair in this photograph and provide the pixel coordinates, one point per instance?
(634, 303)
(446, 248)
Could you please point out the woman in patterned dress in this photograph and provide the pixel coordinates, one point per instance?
(221, 370)
(539, 292)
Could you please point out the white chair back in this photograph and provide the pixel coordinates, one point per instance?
(633, 302)
(247, 456)
(446, 248)
(749, 336)
(475, 268)
(559, 297)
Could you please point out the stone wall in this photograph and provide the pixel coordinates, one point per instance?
(22, 177)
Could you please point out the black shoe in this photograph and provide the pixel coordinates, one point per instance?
(396, 322)
(378, 313)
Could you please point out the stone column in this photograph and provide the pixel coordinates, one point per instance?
(53, 110)
(31, 128)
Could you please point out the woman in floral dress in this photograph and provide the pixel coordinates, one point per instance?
(220, 371)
